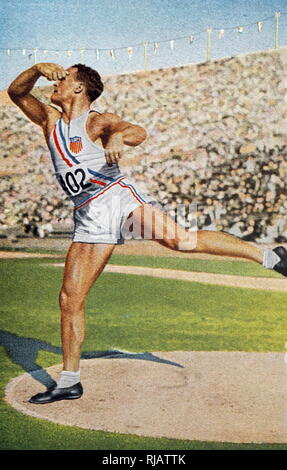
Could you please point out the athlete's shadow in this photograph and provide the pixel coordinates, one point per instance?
(23, 351)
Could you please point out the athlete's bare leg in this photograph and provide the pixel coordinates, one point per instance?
(84, 264)
(169, 234)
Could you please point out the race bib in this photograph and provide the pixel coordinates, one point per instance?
(75, 180)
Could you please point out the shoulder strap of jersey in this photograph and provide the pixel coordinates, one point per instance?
(94, 111)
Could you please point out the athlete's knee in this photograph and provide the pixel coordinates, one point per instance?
(184, 241)
(71, 299)
(203, 240)
(170, 243)
(187, 243)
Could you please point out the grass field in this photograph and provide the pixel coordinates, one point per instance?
(131, 313)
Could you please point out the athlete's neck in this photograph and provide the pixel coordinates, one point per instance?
(74, 110)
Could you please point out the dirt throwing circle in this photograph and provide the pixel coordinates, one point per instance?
(204, 396)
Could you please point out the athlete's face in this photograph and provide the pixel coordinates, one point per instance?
(65, 88)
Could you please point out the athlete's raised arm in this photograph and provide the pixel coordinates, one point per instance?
(20, 88)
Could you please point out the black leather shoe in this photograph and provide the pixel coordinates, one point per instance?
(56, 394)
(281, 266)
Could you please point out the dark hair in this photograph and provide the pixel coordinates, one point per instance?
(91, 79)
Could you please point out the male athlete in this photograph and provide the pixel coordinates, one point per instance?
(85, 148)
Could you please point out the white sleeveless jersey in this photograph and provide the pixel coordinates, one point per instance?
(80, 165)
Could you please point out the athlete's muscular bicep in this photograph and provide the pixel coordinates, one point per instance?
(34, 109)
(132, 134)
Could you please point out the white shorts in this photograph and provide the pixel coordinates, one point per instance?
(100, 219)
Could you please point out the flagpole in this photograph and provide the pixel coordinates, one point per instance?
(145, 55)
(277, 16)
(208, 46)
(35, 56)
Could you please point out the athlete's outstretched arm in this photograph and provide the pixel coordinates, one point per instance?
(20, 88)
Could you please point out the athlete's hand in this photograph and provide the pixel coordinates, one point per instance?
(114, 148)
(52, 72)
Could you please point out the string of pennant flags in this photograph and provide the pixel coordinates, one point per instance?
(32, 53)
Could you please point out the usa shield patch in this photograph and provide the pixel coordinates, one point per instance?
(76, 144)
